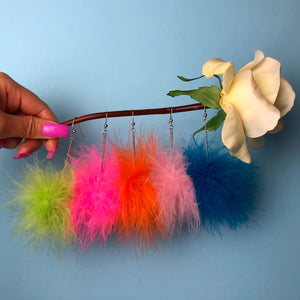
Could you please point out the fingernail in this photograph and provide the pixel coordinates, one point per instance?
(2, 143)
(23, 155)
(51, 153)
(55, 130)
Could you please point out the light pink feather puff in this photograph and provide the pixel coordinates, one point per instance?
(96, 201)
(175, 192)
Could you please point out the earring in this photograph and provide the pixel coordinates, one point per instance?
(175, 192)
(138, 223)
(72, 138)
(96, 202)
(43, 196)
(224, 185)
(133, 138)
(171, 132)
(103, 145)
(205, 131)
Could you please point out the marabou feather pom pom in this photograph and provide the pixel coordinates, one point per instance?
(225, 187)
(42, 200)
(95, 202)
(138, 221)
(175, 192)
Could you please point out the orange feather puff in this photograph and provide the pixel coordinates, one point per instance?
(138, 221)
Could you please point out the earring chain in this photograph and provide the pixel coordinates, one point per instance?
(133, 136)
(72, 138)
(205, 130)
(171, 128)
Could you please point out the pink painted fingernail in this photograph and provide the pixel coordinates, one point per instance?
(23, 155)
(2, 143)
(55, 130)
(51, 153)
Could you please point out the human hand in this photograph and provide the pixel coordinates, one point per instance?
(26, 121)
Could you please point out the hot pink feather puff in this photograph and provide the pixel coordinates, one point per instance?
(96, 202)
(175, 192)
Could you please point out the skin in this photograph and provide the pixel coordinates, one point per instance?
(22, 116)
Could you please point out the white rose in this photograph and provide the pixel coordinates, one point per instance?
(254, 100)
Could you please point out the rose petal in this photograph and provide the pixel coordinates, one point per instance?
(258, 57)
(256, 143)
(257, 114)
(285, 98)
(233, 136)
(278, 127)
(266, 72)
(267, 76)
(217, 66)
(214, 66)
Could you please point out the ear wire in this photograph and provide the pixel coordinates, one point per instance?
(205, 130)
(133, 137)
(71, 143)
(171, 130)
(103, 145)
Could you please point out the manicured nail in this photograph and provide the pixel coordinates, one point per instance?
(55, 130)
(23, 155)
(51, 153)
(2, 143)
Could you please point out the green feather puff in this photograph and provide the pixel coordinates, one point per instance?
(42, 199)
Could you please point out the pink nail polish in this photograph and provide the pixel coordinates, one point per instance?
(51, 153)
(23, 155)
(55, 130)
(2, 143)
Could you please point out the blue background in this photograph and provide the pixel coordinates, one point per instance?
(87, 56)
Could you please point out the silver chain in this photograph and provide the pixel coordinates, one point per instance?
(205, 130)
(103, 145)
(133, 137)
(72, 138)
(171, 129)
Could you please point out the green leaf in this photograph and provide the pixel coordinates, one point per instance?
(187, 79)
(208, 96)
(214, 123)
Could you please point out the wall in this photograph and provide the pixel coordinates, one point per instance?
(88, 56)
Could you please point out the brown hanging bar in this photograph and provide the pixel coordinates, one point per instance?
(138, 112)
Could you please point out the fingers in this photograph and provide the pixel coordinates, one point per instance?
(27, 147)
(11, 143)
(24, 116)
(51, 146)
(29, 127)
(17, 99)
(13, 128)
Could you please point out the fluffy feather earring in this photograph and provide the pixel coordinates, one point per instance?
(42, 198)
(95, 202)
(175, 190)
(225, 186)
(138, 220)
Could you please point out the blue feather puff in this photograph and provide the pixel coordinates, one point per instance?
(225, 187)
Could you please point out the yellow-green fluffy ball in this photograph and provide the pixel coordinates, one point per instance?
(42, 199)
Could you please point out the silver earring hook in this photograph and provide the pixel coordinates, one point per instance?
(171, 129)
(205, 130)
(71, 143)
(103, 145)
(133, 136)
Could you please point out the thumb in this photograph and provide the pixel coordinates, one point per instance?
(29, 127)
